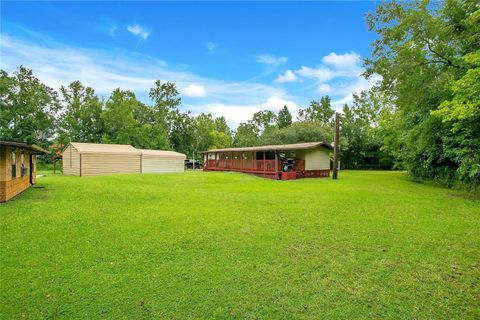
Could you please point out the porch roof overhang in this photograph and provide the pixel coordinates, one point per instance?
(277, 147)
(23, 145)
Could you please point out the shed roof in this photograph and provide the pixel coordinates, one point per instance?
(104, 148)
(23, 145)
(164, 154)
(276, 147)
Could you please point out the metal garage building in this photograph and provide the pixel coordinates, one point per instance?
(90, 159)
(157, 161)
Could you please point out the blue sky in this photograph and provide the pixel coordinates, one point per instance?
(227, 58)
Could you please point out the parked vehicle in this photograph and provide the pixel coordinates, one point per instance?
(189, 163)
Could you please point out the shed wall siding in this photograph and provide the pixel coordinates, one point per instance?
(9, 186)
(71, 162)
(97, 164)
(4, 165)
(152, 164)
(317, 159)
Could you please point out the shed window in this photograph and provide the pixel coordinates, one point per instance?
(14, 165)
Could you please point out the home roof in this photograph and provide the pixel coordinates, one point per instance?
(163, 153)
(23, 145)
(277, 147)
(104, 148)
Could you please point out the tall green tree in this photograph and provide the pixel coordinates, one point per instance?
(219, 140)
(246, 135)
(165, 97)
(81, 120)
(221, 136)
(318, 111)
(421, 53)
(263, 121)
(462, 114)
(28, 108)
(284, 118)
(204, 125)
(182, 132)
(122, 120)
(361, 137)
(299, 132)
(222, 126)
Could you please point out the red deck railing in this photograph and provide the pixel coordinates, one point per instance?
(249, 165)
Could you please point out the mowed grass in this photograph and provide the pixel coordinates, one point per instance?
(230, 245)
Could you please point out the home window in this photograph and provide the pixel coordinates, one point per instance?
(14, 165)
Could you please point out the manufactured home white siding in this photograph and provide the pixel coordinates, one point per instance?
(317, 159)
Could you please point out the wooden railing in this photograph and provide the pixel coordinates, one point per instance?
(251, 165)
(242, 165)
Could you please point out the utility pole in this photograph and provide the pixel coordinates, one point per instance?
(336, 136)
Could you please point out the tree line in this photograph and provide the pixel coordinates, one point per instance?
(36, 113)
(422, 116)
(428, 56)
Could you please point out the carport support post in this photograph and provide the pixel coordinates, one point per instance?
(276, 163)
(264, 167)
(335, 145)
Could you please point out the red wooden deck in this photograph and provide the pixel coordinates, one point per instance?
(267, 168)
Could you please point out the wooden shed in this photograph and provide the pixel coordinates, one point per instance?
(158, 161)
(90, 159)
(286, 161)
(18, 167)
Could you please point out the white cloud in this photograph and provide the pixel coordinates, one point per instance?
(195, 91)
(55, 65)
(334, 66)
(346, 90)
(288, 76)
(105, 70)
(271, 60)
(339, 75)
(342, 61)
(211, 46)
(322, 74)
(324, 88)
(235, 113)
(275, 103)
(139, 31)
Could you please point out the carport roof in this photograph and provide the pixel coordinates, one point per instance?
(276, 147)
(163, 153)
(105, 148)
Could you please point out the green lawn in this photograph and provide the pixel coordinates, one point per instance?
(229, 245)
